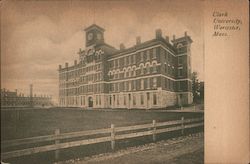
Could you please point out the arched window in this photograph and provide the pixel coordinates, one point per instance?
(141, 69)
(110, 74)
(154, 67)
(134, 73)
(166, 68)
(128, 73)
(147, 68)
(124, 72)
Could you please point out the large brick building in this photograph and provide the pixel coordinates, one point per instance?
(15, 99)
(151, 74)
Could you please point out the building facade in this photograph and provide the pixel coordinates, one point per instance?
(15, 99)
(151, 74)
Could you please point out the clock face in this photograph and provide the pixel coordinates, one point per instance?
(90, 36)
(99, 36)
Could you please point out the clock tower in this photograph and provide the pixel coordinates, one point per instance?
(94, 35)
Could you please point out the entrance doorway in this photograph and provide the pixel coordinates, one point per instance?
(90, 102)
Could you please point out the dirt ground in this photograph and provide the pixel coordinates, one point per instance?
(187, 149)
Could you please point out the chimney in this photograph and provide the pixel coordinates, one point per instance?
(158, 33)
(60, 67)
(185, 33)
(66, 65)
(122, 47)
(138, 40)
(16, 90)
(173, 37)
(75, 62)
(167, 39)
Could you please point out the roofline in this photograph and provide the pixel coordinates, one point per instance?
(94, 26)
(141, 45)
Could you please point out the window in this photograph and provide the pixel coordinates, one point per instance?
(154, 68)
(154, 99)
(166, 67)
(96, 100)
(134, 73)
(142, 84)
(179, 86)
(169, 69)
(81, 100)
(100, 100)
(148, 83)
(112, 87)
(134, 59)
(180, 60)
(116, 87)
(169, 57)
(180, 72)
(142, 99)
(127, 60)
(148, 69)
(142, 56)
(129, 85)
(127, 73)
(122, 86)
(148, 54)
(124, 99)
(155, 82)
(134, 84)
(141, 69)
(171, 85)
(134, 99)
(124, 72)
(118, 103)
(154, 53)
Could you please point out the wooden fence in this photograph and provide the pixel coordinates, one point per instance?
(112, 135)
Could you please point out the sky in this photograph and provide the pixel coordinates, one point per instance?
(37, 36)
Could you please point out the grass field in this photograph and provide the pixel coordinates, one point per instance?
(36, 122)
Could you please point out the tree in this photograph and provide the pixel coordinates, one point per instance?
(195, 86)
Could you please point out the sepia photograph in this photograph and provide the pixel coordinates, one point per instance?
(102, 81)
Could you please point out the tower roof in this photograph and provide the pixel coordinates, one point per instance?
(94, 26)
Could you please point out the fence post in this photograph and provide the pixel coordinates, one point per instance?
(154, 130)
(57, 132)
(112, 136)
(182, 125)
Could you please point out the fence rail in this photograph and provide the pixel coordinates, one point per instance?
(127, 133)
